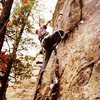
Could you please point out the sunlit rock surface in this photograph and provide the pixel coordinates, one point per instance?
(79, 54)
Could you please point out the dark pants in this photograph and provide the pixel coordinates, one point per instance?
(40, 38)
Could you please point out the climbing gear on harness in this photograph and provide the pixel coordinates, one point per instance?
(62, 36)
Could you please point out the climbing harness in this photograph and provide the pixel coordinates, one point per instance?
(61, 35)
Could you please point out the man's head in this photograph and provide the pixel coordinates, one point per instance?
(44, 27)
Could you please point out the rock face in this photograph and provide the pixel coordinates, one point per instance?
(78, 54)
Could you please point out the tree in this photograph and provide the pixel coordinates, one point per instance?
(18, 18)
(21, 21)
(4, 18)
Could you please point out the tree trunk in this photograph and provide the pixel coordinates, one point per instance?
(4, 18)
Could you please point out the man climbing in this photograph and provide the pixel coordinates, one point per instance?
(41, 31)
(49, 44)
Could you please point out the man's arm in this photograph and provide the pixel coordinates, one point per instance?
(48, 22)
(36, 31)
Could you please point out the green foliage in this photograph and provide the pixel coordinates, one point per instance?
(20, 16)
(22, 67)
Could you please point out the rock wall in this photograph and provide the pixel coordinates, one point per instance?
(78, 54)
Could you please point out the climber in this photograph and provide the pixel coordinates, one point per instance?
(41, 31)
(49, 44)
